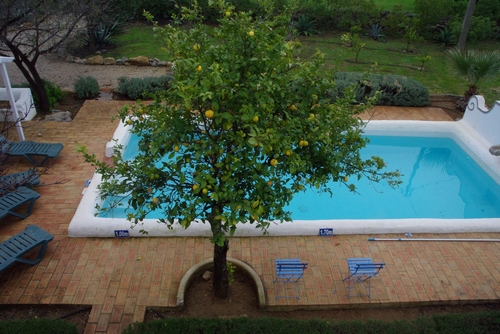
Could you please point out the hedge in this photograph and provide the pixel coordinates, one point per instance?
(394, 90)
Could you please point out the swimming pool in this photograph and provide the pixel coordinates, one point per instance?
(439, 180)
(85, 224)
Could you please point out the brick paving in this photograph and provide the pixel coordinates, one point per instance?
(119, 278)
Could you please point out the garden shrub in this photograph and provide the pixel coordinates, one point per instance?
(54, 93)
(477, 322)
(394, 90)
(86, 87)
(140, 88)
(38, 326)
(277, 326)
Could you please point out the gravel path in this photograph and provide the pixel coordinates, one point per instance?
(53, 68)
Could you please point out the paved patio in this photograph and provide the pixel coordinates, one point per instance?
(121, 277)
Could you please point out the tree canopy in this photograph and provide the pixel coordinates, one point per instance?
(245, 126)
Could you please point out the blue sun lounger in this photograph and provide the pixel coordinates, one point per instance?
(12, 200)
(27, 178)
(12, 250)
(30, 149)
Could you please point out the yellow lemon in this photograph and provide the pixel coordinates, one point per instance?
(269, 183)
(155, 200)
(228, 13)
(274, 162)
(196, 47)
(292, 107)
(204, 191)
(346, 178)
(209, 113)
(289, 152)
(199, 68)
(251, 33)
(176, 148)
(255, 119)
(129, 122)
(195, 186)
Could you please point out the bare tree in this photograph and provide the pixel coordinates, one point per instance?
(30, 28)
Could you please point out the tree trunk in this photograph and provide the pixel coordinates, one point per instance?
(28, 69)
(221, 277)
(466, 25)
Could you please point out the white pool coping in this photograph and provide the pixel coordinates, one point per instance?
(86, 224)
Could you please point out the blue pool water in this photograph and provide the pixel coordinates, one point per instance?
(439, 181)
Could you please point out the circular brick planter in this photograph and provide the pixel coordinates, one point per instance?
(200, 267)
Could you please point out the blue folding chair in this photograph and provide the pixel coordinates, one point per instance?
(361, 270)
(288, 271)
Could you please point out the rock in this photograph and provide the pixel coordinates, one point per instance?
(154, 62)
(59, 116)
(207, 275)
(139, 61)
(109, 61)
(95, 60)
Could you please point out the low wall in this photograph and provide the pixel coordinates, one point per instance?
(24, 104)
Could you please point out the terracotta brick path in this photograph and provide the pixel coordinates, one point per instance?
(120, 277)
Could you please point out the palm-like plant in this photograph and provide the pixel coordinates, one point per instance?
(475, 66)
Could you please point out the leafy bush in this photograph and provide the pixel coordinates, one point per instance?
(305, 26)
(54, 93)
(137, 88)
(102, 33)
(38, 326)
(272, 326)
(445, 36)
(478, 322)
(394, 90)
(375, 33)
(86, 88)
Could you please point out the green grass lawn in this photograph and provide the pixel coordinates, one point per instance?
(389, 57)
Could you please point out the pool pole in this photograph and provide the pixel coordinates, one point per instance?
(432, 239)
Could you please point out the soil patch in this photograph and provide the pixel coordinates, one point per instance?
(201, 303)
(76, 314)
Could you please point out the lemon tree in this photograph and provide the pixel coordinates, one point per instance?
(244, 127)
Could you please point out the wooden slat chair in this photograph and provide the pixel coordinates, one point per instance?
(288, 271)
(12, 250)
(13, 200)
(361, 270)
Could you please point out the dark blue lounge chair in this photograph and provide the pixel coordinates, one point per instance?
(30, 149)
(12, 181)
(11, 200)
(12, 250)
